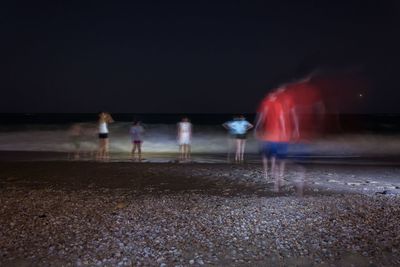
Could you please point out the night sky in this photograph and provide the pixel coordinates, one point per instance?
(194, 56)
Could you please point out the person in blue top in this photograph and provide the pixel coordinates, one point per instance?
(238, 128)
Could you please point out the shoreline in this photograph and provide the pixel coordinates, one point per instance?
(198, 158)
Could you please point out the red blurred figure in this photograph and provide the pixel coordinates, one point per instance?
(342, 93)
(275, 126)
(296, 113)
(309, 109)
(292, 113)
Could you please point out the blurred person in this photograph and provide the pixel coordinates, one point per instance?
(76, 133)
(309, 109)
(184, 137)
(136, 132)
(237, 129)
(300, 179)
(103, 151)
(276, 124)
(88, 132)
(304, 113)
(231, 137)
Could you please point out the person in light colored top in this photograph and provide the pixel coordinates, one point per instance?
(136, 132)
(238, 128)
(104, 119)
(184, 137)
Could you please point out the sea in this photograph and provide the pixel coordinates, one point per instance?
(355, 135)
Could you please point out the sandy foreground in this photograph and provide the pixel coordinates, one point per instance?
(71, 213)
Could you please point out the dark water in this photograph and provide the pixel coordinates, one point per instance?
(166, 118)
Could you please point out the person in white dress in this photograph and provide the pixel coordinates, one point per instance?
(184, 137)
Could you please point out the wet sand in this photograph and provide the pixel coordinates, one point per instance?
(169, 214)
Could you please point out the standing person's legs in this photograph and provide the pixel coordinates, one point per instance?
(281, 172)
(106, 147)
(100, 150)
(265, 165)
(281, 153)
(266, 155)
(276, 172)
(181, 152)
(189, 151)
(185, 151)
(299, 180)
(242, 146)
(301, 172)
(103, 149)
(133, 150)
(184, 148)
(139, 146)
(273, 165)
(237, 155)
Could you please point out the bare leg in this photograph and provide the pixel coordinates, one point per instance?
(185, 152)
(300, 181)
(189, 152)
(275, 174)
(237, 155)
(180, 152)
(281, 171)
(273, 161)
(276, 185)
(265, 164)
(100, 152)
(139, 146)
(278, 175)
(242, 146)
(133, 151)
(106, 145)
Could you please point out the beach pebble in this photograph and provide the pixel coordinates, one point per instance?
(49, 226)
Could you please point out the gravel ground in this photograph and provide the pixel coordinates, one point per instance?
(72, 213)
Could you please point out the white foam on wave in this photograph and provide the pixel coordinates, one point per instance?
(161, 138)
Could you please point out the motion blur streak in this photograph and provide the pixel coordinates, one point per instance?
(312, 106)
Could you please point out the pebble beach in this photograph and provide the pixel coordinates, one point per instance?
(165, 214)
